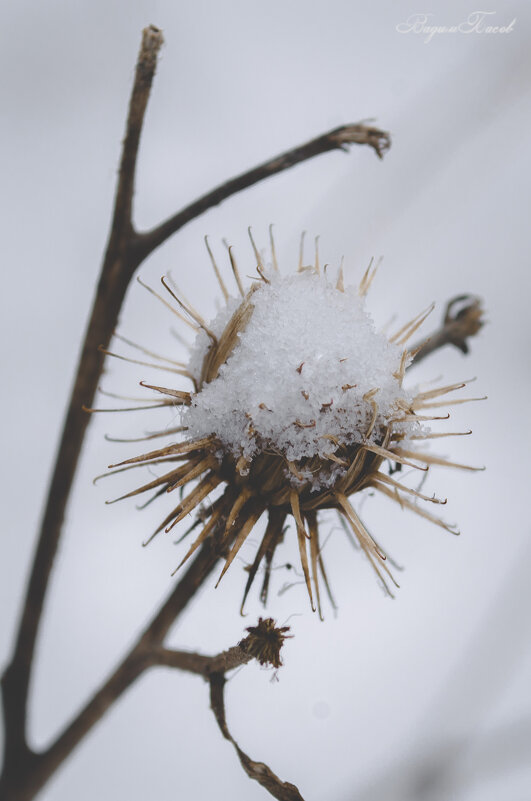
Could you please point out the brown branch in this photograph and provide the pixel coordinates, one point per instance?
(23, 771)
(337, 139)
(463, 319)
(36, 769)
(147, 652)
(117, 270)
(259, 771)
(202, 665)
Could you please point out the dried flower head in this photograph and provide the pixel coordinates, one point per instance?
(298, 403)
(265, 641)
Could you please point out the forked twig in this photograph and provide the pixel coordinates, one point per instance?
(24, 771)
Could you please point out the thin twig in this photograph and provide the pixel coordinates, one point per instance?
(202, 665)
(259, 771)
(337, 139)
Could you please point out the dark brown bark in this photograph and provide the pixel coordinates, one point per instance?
(24, 772)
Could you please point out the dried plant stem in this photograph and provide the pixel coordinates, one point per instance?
(36, 769)
(146, 653)
(24, 772)
(259, 771)
(337, 139)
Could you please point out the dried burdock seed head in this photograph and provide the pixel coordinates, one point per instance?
(297, 404)
(265, 641)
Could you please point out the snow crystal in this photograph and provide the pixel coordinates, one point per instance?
(296, 380)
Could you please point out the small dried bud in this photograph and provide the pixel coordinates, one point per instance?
(464, 323)
(265, 641)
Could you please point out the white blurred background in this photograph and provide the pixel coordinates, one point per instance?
(424, 697)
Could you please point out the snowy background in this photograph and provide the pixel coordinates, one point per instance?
(370, 704)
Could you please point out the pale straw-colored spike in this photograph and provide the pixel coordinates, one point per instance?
(142, 349)
(240, 539)
(204, 514)
(368, 277)
(292, 467)
(259, 262)
(409, 333)
(419, 347)
(378, 567)
(407, 330)
(360, 530)
(418, 418)
(301, 537)
(438, 404)
(262, 274)
(314, 557)
(161, 526)
(184, 397)
(317, 267)
(242, 465)
(236, 508)
(117, 396)
(236, 272)
(273, 249)
(209, 483)
(168, 460)
(435, 393)
(331, 438)
(272, 534)
(340, 283)
(165, 432)
(391, 455)
(362, 287)
(175, 370)
(348, 530)
(177, 448)
(190, 311)
(301, 253)
(429, 458)
(400, 373)
(327, 583)
(189, 306)
(404, 329)
(168, 305)
(205, 464)
(373, 552)
(403, 502)
(202, 537)
(355, 544)
(128, 408)
(353, 469)
(388, 480)
(296, 510)
(437, 435)
(157, 482)
(216, 270)
(369, 398)
(333, 458)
